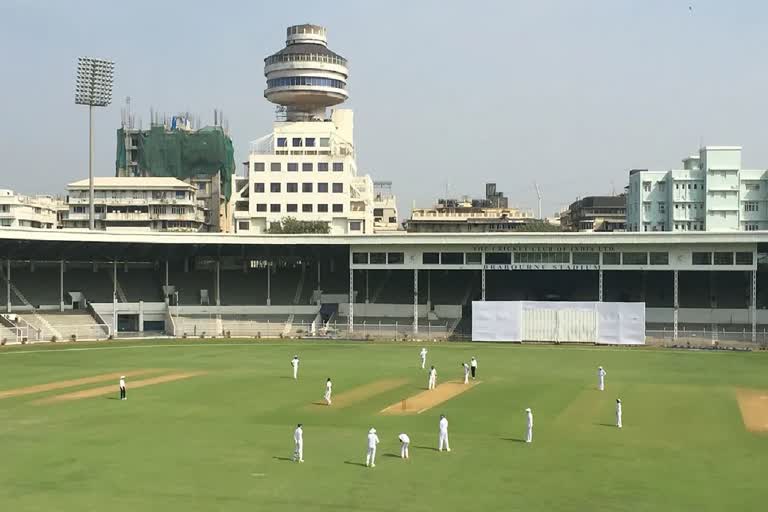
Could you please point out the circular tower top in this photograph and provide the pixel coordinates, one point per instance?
(306, 77)
(311, 34)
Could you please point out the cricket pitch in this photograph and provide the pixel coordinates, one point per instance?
(754, 409)
(426, 400)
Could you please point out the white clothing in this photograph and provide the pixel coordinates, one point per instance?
(423, 355)
(327, 396)
(432, 379)
(529, 427)
(405, 441)
(122, 383)
(443, 438)
(618, 414)
(370, 457)
(466, 373)
(473, 363)
(601, 379)
(295, 364)
(298, 440)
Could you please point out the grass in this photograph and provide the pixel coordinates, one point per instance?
(222, 441)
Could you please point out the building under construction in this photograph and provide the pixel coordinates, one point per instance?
(177, 146)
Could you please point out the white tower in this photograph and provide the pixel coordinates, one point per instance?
(306, 77)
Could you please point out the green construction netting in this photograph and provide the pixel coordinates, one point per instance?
(182, 154)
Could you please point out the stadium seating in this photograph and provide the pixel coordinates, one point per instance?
(63, 325)
(141, 284)
(39, 288)
(96, 286)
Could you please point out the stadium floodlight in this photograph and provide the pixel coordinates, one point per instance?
(93, 88)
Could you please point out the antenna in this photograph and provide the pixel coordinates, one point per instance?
(538, 195)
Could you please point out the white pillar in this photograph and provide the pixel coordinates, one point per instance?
(114, 298)
(218, 283)
(367, 296)
(753, 305)
(482, 284)
(167, 299)
(429, 290)
(600, 285)
(269, 283)
(141, 316)
(676, 305)
(415, 301)
(351, 316)
(61, 285)
(8, 287)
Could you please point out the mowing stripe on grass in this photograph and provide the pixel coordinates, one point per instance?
(63, 384)
(106, 390)
(426, 400)
(361, 393)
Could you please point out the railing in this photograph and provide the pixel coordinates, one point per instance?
(707, 337)
(80, 332)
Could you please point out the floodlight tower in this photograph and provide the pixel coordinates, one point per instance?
(93, 87)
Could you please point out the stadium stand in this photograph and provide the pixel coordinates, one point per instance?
(96, 286)
(64, 325)
(145, 284)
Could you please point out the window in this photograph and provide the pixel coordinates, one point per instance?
(296, 142)
(452, 258)
(378, 212)
(274, 187)
(586, 258)
(306, 208)
(542, 257)
(695, 185)
(338, 208)
(338, 166)
(306, 187)
(282, 142)
(322, 167)
(275, 167)
(395, 258)
(612, 258)
(354, 225)
(750, 206)
(662, 186)
(646, 186)
(751, 227)
(309, 142)
(180, 194)
(325, 142)
(258, 188)
(338, 188)
(258, 167)
(430, 258)
(659, 258)
(677, 205)
(743, 258)
(360, 258)
(291, 187)
(322, 187)
(752, 187)
(274, 208)
(723, 258)
(677, 186)
(646, 208)
(291, 208)
(473, 258)
(243, 225)
(378, 258)
(293, 167)
(306, 167)
(498, 258)
(662, 208)
(634, 258)
(261, 207)
(322, 208)
(701, 258)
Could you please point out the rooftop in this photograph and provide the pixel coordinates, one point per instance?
(131, 182)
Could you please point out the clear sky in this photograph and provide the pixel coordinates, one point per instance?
(447, 95)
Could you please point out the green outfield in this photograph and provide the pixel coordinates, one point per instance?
(211, 429)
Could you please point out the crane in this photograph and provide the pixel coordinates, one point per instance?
(538, 195)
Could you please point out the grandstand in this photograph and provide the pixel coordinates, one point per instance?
(421, 286)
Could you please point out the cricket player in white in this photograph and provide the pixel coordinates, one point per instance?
(373, 440)
(328, 386)
(423, 355)
(466, 372)
(528, 425)
(295, 365)
(618, 412)
(473, 365)
(405, 441)
(443, 440)
(432, 378)
(298, 441)
(601, 378)
(122, 388)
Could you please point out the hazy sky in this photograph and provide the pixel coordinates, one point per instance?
(571, 93)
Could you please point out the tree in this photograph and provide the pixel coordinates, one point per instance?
(293, 226)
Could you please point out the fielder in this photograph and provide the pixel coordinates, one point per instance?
(601, 378)
(373, 440)
(122, 388)
(328, 386)
(443, 439)
(466, 372)
(529, 426)
(432, 378)
(423, 355)
(298, 442)
(295, 365)
(618, 412)
(405, 441)
(473, 366)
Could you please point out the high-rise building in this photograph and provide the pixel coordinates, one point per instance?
(31, 212)
(306, 168)
(710, 193)
(596, 213)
